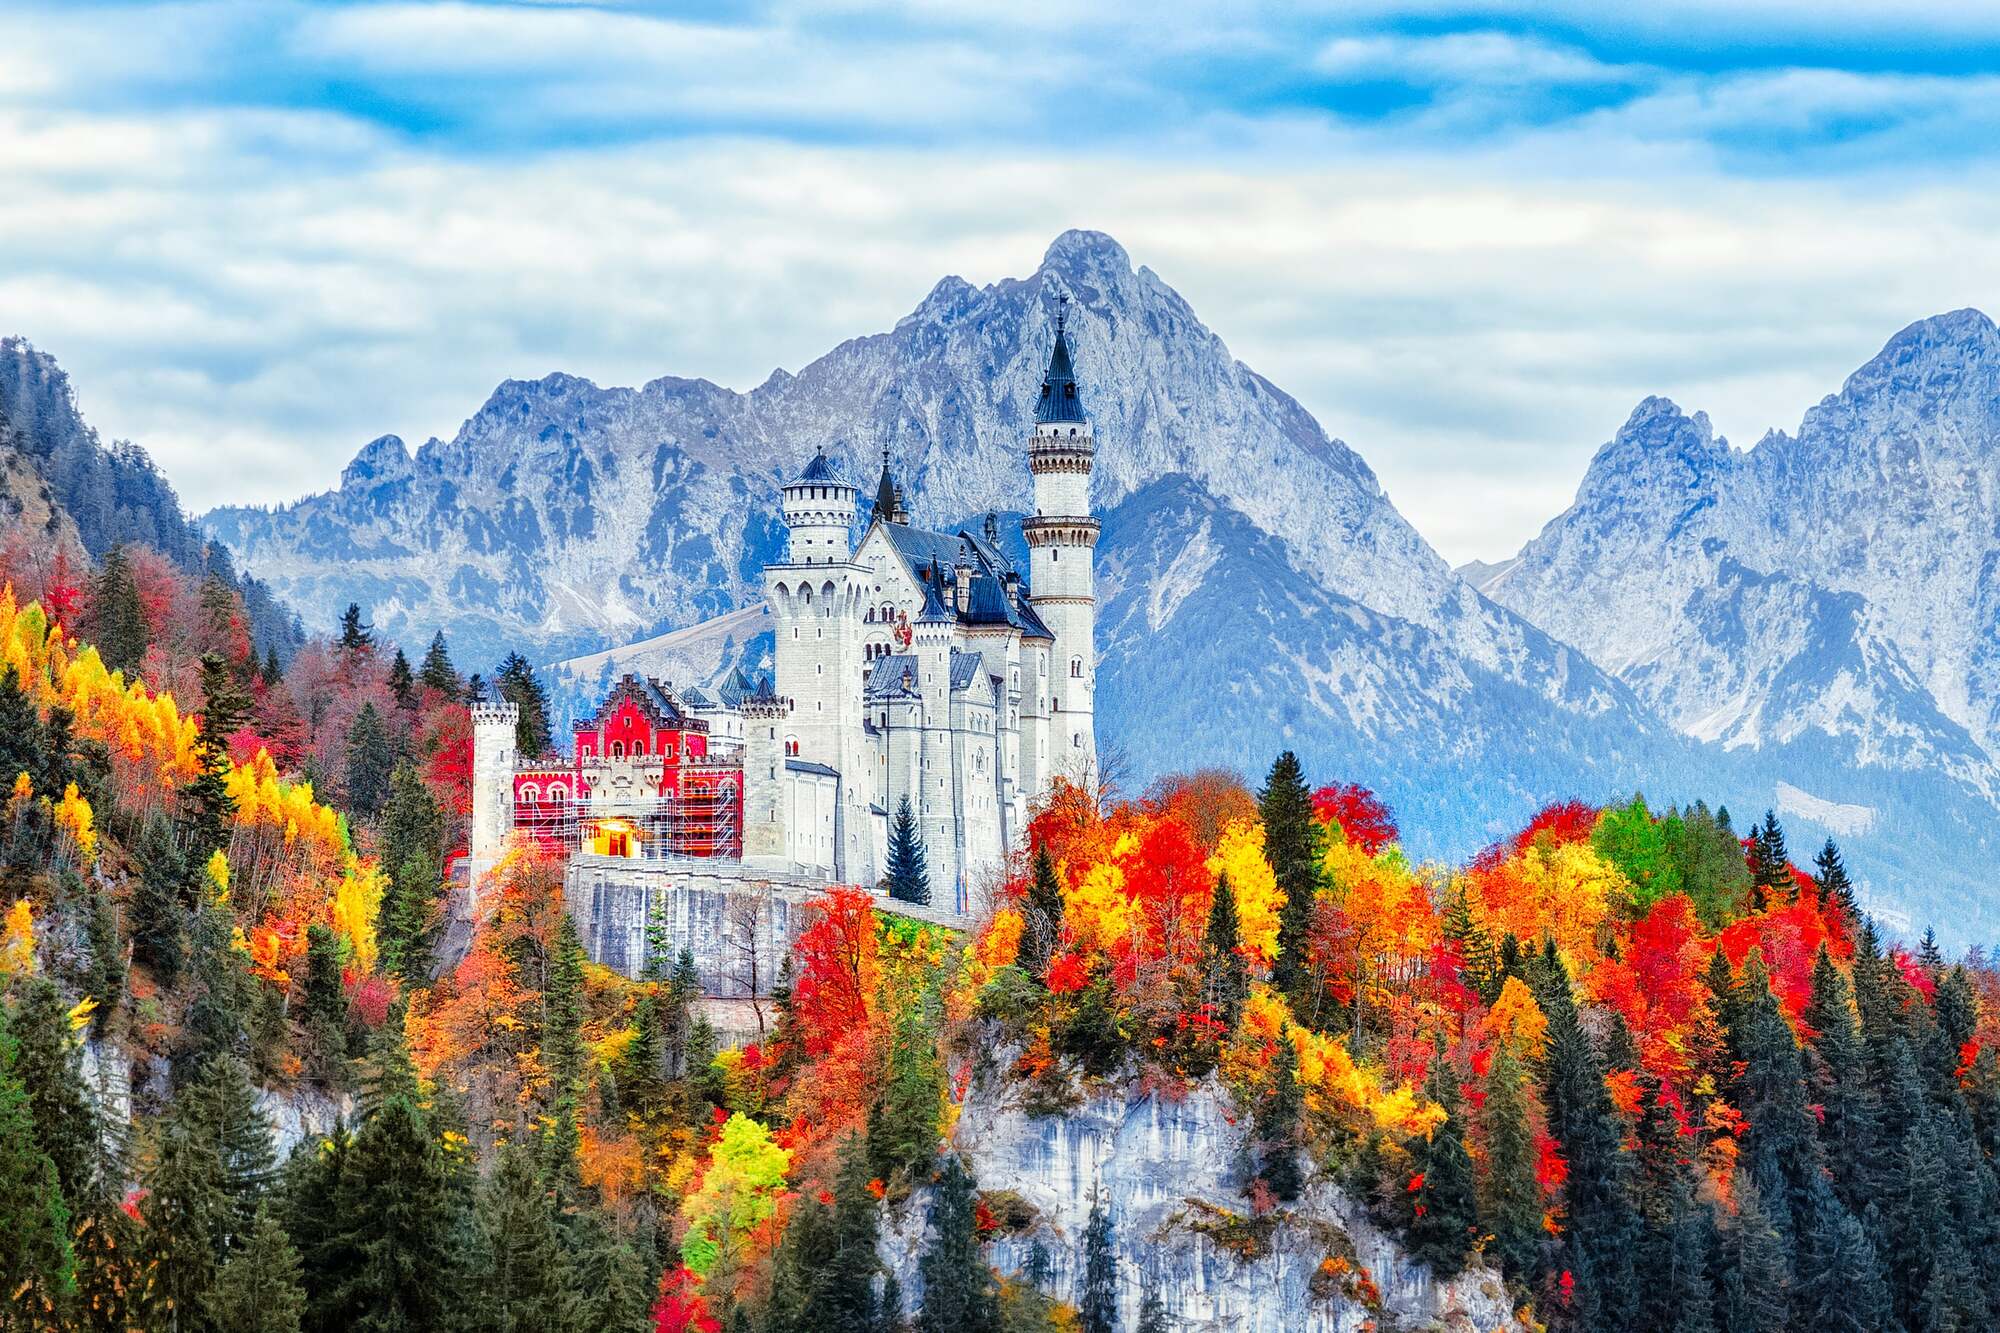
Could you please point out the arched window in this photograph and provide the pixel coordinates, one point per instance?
(639, 746)
(1076, 668)
(558, 794)
(529, 794)
(618, 749)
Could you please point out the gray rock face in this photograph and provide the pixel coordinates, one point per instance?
(1169, 1172)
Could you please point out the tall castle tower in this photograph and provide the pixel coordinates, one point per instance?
(818, 598)
(492, 783)
(1062, 541)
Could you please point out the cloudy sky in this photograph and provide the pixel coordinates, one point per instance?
(1468, 238)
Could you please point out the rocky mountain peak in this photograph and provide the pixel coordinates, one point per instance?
(384, 458)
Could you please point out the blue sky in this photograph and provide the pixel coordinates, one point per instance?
(1469, 237)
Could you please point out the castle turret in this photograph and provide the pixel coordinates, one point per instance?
(1062, 541)
(493, 761)
(937, 806)
(818, 599)
(819, 514)
(766, 839)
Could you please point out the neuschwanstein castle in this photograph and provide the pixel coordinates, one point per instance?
(911, 664)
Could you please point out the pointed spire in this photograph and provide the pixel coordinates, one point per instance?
(1060, 399)
(885, 493)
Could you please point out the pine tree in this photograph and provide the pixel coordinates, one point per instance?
(515, 683)
(1292, 839)
(958, 1286)
(206, 805)
(49, 1066)
(122, 632)
(37, 1268)
(1754, 1271)
(1510, 1198)
(224, 990)
(1277, 1124)
(1097, 1303)
(1598, 1242)
(1840, 1288)
(1445, 1220)
(159, 918)
(23, 746)
(355, 637)
(402, 681)
(1226, 977)
(221, 1107)
(613, 1285)
(436, 671)
(1042, 909)
(188, 1216)
(260, 1288)
(525, 1290)
(371, 756)
(1476, 953)
(274, 672)
(907, 877)
(410, 844)
(1152, 1313)
(1771, 870)
(386, 1256)
(845, 1302)
(1835, 888)
(1839, 1083)
(1778, 1146)
(562, 1053)
(104, 977)
(324, 1013)
(903, 1121)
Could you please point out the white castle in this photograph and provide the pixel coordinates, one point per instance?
(910, 665)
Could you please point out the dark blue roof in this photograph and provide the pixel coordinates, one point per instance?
(934, 609)
(808, 766)
(735, 689)
(822, 468)
(1060, 400)
(891, 677)
(964, 669)
(987, 604)
(1024, 615)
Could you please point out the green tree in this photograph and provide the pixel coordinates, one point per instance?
(402, 681)
(189, 1216)
(908, 877)
(221, 1107)
(1445, 1221)
(1709, 858)
(260, 1288)
(526, 1289)
(1753, 1269)
(1152, 1312)
(224, 992)
(1839, 1083)
(1042, 914)
(1278, 1124)
(122, 632)
(562, 1053)
(515, 683)
(104, 976)
(371, 756)
(159, 914)
(1628, 837)
(37, 1268)
(1840, 1287)
(1292, 844)
(48, 1064)
(324, 1012)
(436, 671)
(1598, 1242)
(1226, 977)
(903, 1121)
(1770, 863)
(1473, 944)
(1835, 888)
(355, 638)
(206, 805)
(958, 1286)
(1509, 1196)
(1097, 1305)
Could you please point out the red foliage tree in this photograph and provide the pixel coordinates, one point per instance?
(1360, 813)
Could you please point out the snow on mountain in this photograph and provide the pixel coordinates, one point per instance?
(1829, 600)
(1259, 589)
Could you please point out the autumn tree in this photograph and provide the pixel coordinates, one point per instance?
(1041, 913)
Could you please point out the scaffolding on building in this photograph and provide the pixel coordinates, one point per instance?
(703, 819)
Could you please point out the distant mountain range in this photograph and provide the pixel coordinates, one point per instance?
(1809, 626)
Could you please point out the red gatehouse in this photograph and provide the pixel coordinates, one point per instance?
(640, 782)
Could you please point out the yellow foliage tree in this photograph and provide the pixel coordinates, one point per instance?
(17, 944)
(1239, 854)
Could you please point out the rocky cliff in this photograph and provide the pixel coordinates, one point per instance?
(1170, 1175)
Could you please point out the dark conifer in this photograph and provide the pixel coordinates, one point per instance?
(324, 1013)
(37, 1268)
(1445, 1221)
(1278, 1124)
(1753, 1268)
(48, 1064)
(260, 1288)
(390, 1255)
(1292, 844)
(1042, 908)
(1097, 1302)
(1226, 977)
(903, 1121)
(122, 632)
(371, 757)
(1509, 1195)
(1835, 888)
(516, 683)
(958, 1286)
(355, 637)
(1152, 1312)
(1838, 1080)
(846, 1301)
(189, 1217)
(563, 1054)
(402, 681)
(525, 1290)
(159, 913)
(907, 878)
(437, 672)
(222, 1108)
(1840, 1288)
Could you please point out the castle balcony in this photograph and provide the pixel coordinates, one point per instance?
(1069, 530)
